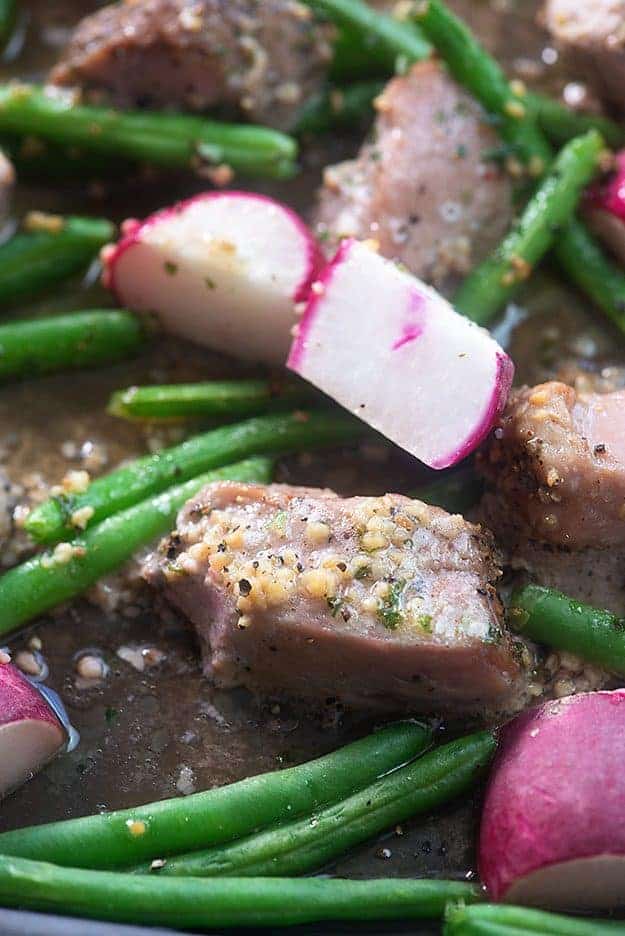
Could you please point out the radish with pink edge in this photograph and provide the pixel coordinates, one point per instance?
(223, 269)
(605, 208)
(33, 727)
(553, 825)
(395, 353)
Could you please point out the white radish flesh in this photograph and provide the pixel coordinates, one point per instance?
(395, 353)
(553, 825)
(223, 269)
(30, 732)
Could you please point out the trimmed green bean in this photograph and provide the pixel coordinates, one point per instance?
(62, 342)
(482, 75)
(505, 920)
(560, 123)
(49, 579)
(348, 106)
(552, 618)
(456, 493)
(171, 141)
(48, 251)
(593, 272)
(313, 841)
(191, 904)
(212, 399)
(494, 282)
(106, 840)
(395, 43)
(267, 435)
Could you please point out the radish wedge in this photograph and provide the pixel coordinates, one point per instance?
(223, 269)
(553, 826)
(394, 352)
(31, 732)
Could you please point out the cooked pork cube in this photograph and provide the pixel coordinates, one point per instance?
(593, 37)
(425, 188)
(262, 59)
(556, 465)
(380, 603)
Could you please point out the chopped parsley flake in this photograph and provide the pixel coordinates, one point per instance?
(390, 610)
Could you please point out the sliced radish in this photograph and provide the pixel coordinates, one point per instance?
(224, 269)
(605, 208)
(392, 350)
(31, 729)
(553, 826)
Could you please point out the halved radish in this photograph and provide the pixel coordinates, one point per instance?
(553, 826)
(224, 269)
(605, 208)
(31, 731)
(392, 350)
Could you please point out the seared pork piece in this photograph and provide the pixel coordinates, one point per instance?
(264, 59)
(592, 35)
(424, 188)
(556, 464)
(379, 603)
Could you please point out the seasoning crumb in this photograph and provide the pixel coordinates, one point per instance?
(136, 827)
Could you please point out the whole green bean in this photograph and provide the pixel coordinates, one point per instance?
(348, 106)
(505, 920)
(62, 342)
(266, 435)
(212, 399)
(552, 618)
(49, 579)
(50, 250)
(456, 491)
(8, 18)
(395, 43)
(109, 840)
(477, 71)
(495, 281)
(312, 842)
(593, 272)
(560, 123)
(199, 904)
(172, 141)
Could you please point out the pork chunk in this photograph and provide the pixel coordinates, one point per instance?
(424, 188)
(556, 467)
(592, 35)
(380, 603)
(263, 59)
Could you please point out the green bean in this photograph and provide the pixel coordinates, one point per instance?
(496, 280)
(35, 158)
(50, 250)
(593, 272)
(191, 904)
(560, 123)
(267, 435)
(62, 342)
(171, 141)
(348, 106)
(8, 18)
(106, 840)
(477, 71)
(456, 491)
(49, 579)
(396, 44)
(212, 399)
(504, 920)
(313, 841)
(552, 618)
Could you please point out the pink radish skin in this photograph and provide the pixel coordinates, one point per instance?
(223, 269)
(395, 353)
(30, 733)
(553, 825)
(605, 208)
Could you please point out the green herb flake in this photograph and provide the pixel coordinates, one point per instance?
(210, 283)
(362, 572)
(424, 621)
(170, 268)
(335, 604)
(390, 610)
